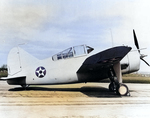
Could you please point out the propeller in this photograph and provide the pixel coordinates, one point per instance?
(136, 41)
(137, 46)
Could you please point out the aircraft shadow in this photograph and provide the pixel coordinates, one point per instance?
(90, 91)
(98, 92)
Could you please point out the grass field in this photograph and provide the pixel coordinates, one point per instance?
(3, 74)
(136, 80)
(129, 78)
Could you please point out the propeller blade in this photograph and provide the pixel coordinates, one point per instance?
(136, 41)
(142, 56)
(137, 46)
(145, 61)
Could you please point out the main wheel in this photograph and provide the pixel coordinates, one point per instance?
(122, 89)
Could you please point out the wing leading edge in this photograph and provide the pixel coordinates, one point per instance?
(96, 67)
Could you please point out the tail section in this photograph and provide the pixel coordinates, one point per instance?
(18, 60)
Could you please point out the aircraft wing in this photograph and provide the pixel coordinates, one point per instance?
(101, 63)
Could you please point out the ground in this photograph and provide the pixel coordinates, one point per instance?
(91, 100)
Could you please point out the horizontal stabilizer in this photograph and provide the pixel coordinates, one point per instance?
(3, 78)
(12, 77)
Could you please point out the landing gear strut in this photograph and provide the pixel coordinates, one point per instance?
(116, 84)
(112, 87)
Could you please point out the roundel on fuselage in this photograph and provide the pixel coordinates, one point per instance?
(40, 72)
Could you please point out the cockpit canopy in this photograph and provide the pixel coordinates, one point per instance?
(71, 52)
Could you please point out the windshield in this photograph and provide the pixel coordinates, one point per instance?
(75, 51)
(79, 50)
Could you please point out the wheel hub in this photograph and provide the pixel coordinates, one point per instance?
(122, 90)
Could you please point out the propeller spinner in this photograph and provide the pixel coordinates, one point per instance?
(137, 46)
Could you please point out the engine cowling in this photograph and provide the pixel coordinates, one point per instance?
(131, 62)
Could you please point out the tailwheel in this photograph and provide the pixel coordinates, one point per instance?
(122, 90)
(25, 86)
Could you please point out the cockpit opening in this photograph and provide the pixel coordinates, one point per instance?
(71, 52)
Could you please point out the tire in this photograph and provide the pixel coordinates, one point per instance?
(122, 89)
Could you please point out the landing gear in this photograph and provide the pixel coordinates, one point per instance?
(116, 84)
(119, 88)
(25, 86)
(112, 87)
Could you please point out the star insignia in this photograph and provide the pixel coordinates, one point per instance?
(40, 72)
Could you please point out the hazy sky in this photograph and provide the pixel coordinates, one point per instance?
(50, 26)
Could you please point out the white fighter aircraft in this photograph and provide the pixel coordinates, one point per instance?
(75, 65)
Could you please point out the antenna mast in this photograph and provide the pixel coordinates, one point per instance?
(112, 38)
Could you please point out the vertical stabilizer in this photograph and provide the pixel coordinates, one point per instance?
(13, 61)
(18, 60)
